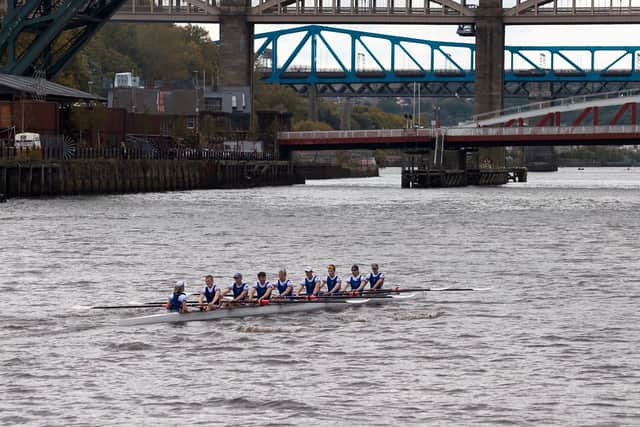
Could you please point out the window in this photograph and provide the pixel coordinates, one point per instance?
(213, 104)
(165, 128)
(190, 122)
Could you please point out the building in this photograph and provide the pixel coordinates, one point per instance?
(126, 80)
(176, 97)
(36, 105)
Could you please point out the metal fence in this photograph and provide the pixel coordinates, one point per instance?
(86, 153)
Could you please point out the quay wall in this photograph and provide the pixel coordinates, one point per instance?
(72, 177)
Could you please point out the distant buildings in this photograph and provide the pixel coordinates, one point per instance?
(182, 97)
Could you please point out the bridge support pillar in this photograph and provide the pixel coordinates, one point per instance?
(236, 55)
(543, 158)
(314, 113)
(345, 116)
(489, 69)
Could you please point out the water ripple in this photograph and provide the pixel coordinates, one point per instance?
(553, 341)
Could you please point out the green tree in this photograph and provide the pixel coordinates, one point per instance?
(119, 47)
(279, 98)
(311, 125)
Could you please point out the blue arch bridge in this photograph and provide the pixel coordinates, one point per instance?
(343, 62)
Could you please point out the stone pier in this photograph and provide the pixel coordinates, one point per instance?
(236, 50)
(489, 69)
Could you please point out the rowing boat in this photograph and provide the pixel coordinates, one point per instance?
(252, 310)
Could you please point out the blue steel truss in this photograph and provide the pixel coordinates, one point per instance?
(443, 62)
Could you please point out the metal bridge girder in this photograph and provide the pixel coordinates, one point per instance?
(523, 66)
(47, 21)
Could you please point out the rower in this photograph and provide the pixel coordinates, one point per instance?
(284, 285)
(356, 281)
(211, 294)
(238, 287)
(333, 281)
(178, 301)
(310, 283)
(262, 289)
(375, 278)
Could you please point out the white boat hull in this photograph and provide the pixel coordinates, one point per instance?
(226, 313)
(253, 310)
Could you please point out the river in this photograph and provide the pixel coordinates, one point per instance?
(554, 341)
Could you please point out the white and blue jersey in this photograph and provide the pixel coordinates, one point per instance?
(261, 288)
(175, 301)
(355, 281)
(283, 286)
(332, 282)
(309, 284)
(238, 289)
(373, 279)
(209, 292)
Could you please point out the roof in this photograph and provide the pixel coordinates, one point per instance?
(10, 84)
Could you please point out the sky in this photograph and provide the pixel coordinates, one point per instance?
(547, 35)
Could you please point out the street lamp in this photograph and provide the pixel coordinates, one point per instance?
(360, 63)
(436, 116)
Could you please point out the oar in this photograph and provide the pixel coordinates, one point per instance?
(305, 300)
(107, 307)
(396, 290)
(342, 296)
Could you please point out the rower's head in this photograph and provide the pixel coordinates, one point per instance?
(374, 268)
(238, 278)
(331, 269)
(179, 287)
(262, 277)
(309, 272)
(355, 270)
(208, 279)
(282, 274)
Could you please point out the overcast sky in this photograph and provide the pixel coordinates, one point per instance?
(575, 35)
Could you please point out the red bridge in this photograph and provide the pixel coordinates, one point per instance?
(461, 137)
(547, 129)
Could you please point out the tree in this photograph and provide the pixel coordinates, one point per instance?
(279, 98)
(311, 125)
(121, 47)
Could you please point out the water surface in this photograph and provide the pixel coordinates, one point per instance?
(554, 342)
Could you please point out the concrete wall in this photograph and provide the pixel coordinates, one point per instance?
(30, 179)
(232, 98)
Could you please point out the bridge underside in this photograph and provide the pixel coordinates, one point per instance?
(557, 89)
(417, 12)
(461, 142)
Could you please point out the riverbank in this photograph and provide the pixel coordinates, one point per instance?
(71, 177)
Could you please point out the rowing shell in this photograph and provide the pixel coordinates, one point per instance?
(251, 310)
